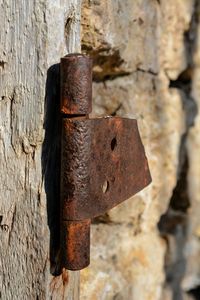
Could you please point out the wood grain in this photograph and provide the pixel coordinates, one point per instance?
(33, 37)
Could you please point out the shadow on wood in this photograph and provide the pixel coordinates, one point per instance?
(51, 163)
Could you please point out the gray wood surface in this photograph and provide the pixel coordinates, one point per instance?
(33, 37)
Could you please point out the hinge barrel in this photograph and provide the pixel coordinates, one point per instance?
(76, 84)
(75, 244)
(76, 100)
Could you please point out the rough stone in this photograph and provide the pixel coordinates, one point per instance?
(145, 68)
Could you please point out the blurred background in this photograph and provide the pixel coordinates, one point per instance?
(147, 66)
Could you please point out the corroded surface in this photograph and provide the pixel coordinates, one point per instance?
(103, 164)
(75, 244)
(98, 168)
(76, 84)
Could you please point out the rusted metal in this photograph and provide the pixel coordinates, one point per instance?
(103, 162)
(105, 153)
(76, 84)
(75, 246)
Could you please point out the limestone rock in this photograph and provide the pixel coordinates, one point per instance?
(145, 68)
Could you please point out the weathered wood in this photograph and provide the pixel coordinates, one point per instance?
(33, 36)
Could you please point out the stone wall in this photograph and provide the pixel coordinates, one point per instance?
(147, 66)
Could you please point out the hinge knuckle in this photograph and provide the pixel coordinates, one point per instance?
(75, 244)
(76, 84)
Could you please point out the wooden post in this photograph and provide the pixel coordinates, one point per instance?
(34, 35)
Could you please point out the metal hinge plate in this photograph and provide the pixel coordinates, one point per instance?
(103, 161)
(103, 164)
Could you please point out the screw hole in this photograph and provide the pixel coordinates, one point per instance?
(105, 187)
(113, 144)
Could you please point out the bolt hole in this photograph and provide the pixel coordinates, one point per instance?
(105, 187)
(113, 144)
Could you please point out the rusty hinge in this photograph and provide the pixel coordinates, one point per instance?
(102, 161)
